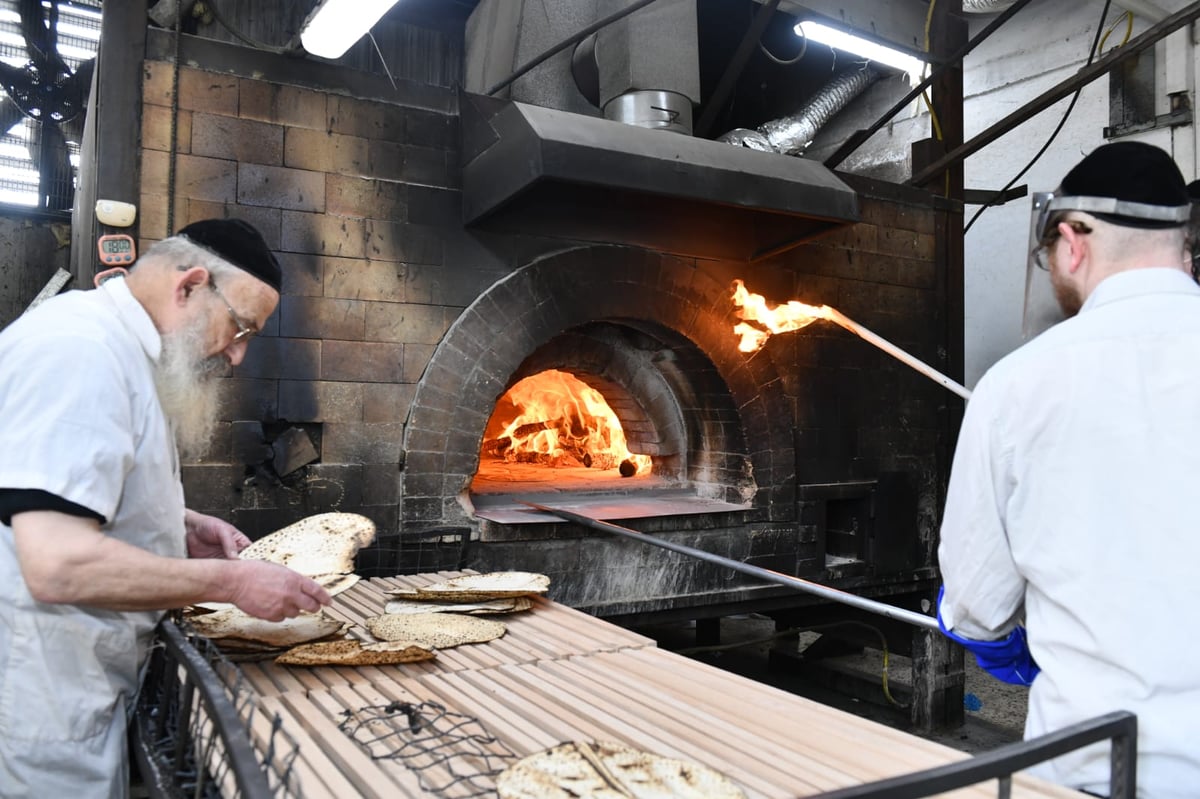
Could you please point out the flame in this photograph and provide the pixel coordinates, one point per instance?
(777, 319)
(560, 421)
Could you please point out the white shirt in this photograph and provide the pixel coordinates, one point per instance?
(1073, 500)
(79, 417)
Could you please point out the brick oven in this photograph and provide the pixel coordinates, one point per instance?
(411, 306)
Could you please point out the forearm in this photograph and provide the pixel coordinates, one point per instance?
(85, 567)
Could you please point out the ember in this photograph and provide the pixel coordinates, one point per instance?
(555, 419)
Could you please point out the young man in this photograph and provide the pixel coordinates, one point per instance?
(97, 388)
(1071, 505)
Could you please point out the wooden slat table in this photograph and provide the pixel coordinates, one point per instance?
(559, 675)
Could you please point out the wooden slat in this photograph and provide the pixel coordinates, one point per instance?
(833, 732)
(448, 772)
(613, 716)
(313, 775)
(344, 754)
(558, 674)
(341, 703)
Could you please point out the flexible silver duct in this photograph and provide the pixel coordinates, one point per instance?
(750, 139)
(986, 6)
(791, 135)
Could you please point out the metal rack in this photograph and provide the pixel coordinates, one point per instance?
(191, 734)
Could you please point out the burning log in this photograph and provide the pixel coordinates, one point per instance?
(602, 460)
(573, 426)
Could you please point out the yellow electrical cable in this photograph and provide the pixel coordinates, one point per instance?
(933, 120)
(1128, 17)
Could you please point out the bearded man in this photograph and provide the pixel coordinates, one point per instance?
(96, 389)
(1070, 507)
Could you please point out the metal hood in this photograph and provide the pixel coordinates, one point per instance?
(546, 172)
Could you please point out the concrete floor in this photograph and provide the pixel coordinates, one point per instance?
(995, 711)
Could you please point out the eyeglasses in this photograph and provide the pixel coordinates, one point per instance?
(1041, 253)
(245, 331)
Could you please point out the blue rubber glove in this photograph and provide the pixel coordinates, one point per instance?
(1007, 659)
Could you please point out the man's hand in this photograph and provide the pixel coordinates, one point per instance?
(273, 592)
(1007, 659)
(210, 537)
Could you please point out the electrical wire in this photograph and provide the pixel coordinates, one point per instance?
(787, 62)
(1128, 18)
(290, 49)
(1066, 115)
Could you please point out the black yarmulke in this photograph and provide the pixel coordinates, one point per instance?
(240, 244)
(1132, 172)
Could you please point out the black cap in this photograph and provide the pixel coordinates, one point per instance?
(1131, 172)
(240, 244)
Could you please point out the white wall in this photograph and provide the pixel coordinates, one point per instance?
(1042, 45)
(1047, 42)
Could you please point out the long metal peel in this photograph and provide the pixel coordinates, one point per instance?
(807, 586)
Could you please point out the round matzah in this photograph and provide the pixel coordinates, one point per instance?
(356, 653)
(482, 587)
(235, 623)
(565, 772)
(322, 544)
(435, 630)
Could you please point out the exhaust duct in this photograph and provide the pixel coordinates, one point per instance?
(791, 135)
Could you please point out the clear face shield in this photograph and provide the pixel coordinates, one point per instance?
(1041, 310)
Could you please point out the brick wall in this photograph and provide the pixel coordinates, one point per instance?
(398, 329)
(358, 200)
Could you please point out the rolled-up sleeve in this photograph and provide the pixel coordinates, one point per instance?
(65, 422)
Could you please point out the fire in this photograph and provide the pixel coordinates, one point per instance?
(553, 418)
(770, 320)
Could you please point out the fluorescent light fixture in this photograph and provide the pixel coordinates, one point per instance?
(823, 34)
(335, 25)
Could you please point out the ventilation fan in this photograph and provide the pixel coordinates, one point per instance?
(49, 92)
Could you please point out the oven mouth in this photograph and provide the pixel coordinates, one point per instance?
(554, 426)
(616, 418)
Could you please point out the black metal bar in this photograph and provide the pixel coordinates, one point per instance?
(565, 43)
(247, 772)
(1051, 96)
(824, 591)
(1120, 726)
(856, 140)
(737, 63)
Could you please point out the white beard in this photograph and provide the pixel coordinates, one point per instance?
(187, 388)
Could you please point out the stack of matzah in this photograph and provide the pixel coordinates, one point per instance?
(477, 588)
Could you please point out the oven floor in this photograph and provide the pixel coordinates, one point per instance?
(647, 501)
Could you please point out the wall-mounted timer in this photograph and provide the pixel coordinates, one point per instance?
(116, 249)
